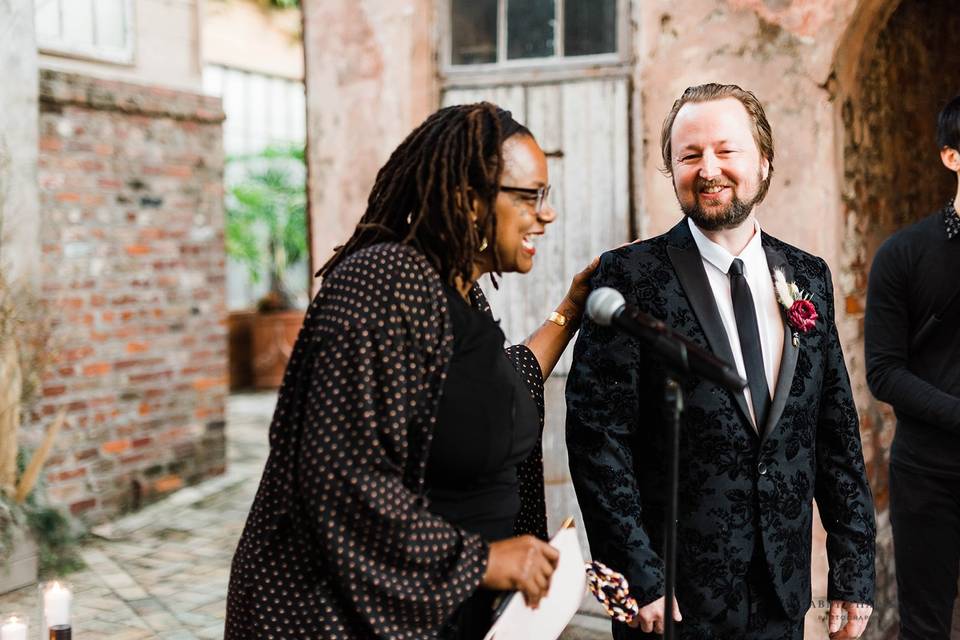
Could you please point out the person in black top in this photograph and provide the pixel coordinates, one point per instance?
(404, 487)
(913, 363)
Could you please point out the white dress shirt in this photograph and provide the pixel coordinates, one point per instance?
(716, 262)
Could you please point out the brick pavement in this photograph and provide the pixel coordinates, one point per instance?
(162, 572)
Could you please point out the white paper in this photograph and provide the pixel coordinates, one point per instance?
(557, 608)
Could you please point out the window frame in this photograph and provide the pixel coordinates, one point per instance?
(97, 53)
(557, 62)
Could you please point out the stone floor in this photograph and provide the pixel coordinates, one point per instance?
(162, 572)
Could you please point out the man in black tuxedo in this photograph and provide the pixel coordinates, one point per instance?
(751, 462)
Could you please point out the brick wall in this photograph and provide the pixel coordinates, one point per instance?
(130, 184)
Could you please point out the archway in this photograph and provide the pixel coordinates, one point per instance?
(898, 66)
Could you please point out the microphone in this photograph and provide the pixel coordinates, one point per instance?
(606, 307)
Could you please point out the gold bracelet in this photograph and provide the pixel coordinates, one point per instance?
(557, 318)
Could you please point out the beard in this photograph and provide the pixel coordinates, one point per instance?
(729, 217)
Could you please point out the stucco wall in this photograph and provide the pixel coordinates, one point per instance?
(19, 222)
(370, 80)
(243, 35)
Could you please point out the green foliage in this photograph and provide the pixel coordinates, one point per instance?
(266, 228)
(285, 4)
(57, 543)
(10, 520)
(56, 539)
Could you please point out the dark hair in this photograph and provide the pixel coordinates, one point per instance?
(762, 133)
(948, 125)
(422, 195)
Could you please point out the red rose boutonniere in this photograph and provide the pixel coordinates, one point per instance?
(801, 312)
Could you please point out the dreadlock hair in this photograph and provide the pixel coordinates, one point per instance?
(423, 194)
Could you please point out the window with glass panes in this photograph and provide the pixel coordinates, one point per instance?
(502, 31)
(99, 29)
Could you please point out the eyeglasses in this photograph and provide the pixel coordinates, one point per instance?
(540, 194)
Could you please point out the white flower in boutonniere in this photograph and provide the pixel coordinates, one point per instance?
(801, 313)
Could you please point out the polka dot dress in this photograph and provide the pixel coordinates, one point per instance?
(338, 543)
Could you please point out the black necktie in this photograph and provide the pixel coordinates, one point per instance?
(750, 342)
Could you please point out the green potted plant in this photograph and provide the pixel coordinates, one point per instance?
(266, 231)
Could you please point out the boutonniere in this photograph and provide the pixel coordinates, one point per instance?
(801, 313)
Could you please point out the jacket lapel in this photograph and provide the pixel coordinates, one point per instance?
(688, 265)
(788, 360)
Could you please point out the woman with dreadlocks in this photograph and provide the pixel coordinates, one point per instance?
(404, 487)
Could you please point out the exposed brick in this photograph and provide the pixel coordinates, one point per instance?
(80, 506)
(203, 384)
(85, 454)
(135, 459)
(166, 484)
(854, 305)
(68, 197)
(115, 446)
(137, 347)
(69, 475)
(130, 411)
(97, 369)
(50, 143)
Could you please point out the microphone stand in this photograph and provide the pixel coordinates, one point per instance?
(681, 358)
(673, 411)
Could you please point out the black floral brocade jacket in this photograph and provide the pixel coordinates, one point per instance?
(339, 542)
(731, 476)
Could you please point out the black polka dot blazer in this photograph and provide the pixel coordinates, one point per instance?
(339, 542)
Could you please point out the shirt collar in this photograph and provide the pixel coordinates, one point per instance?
(752, 254)
(951, 220)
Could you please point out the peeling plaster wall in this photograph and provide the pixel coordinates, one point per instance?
(769, 48)
(892, 174)
(19, 219)
(370, 80)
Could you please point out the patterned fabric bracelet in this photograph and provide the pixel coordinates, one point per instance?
(612, 590)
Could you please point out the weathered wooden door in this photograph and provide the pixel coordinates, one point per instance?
(582, 125)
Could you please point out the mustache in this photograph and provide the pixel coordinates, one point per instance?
(706, 184)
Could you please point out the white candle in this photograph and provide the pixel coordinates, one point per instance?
(13, 629)
(56, 604)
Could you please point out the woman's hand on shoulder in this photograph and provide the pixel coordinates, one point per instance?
(580, 287)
